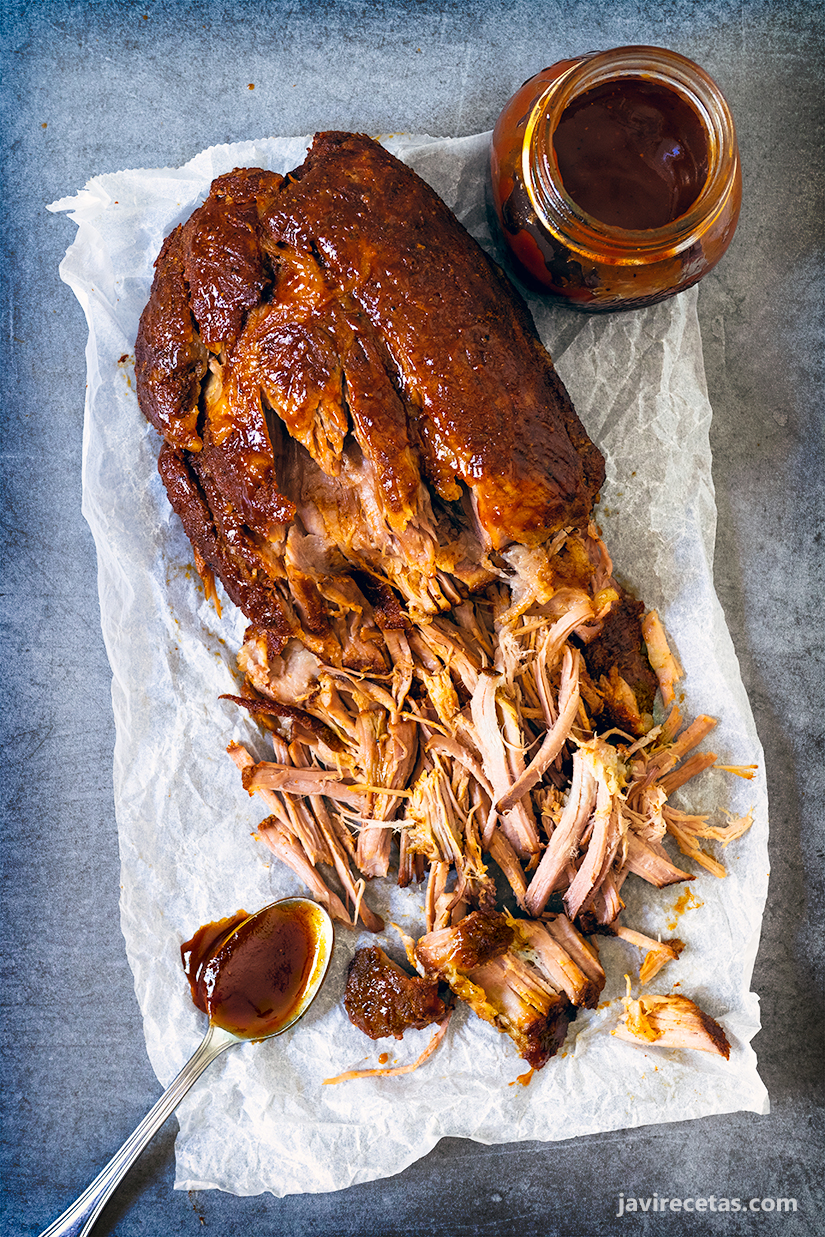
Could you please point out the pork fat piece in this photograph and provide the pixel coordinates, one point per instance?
(671, 1022)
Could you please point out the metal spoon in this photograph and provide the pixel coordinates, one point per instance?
(77, 1220)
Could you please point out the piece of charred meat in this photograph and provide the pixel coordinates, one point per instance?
(382, 999)
(515, 975)
(369, 447)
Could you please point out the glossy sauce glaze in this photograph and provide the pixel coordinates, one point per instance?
(382, 999)
(632, 154)
(250, 974)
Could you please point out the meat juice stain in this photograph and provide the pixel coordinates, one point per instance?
(383, 1058)
(524, 1079)
(632, 154)
(685, 902)
(249, 977)
(193, 1198)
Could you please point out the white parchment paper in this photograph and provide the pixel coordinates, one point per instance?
(261, 1118)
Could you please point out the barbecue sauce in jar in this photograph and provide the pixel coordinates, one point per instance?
(249, 974)
(616, 177)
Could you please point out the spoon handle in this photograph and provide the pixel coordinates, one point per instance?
(78, 1219)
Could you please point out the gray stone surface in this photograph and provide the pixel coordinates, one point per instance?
(92, 87)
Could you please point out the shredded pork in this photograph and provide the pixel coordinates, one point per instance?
(671, 1021)
(452, 684)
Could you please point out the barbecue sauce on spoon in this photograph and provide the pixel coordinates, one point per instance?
(250, 974)
(254, 975)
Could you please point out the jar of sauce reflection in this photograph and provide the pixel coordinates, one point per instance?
(616, 177)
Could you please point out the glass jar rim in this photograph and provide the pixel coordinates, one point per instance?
(560, 214)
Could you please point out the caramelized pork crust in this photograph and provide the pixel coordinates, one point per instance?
(483, 401)
(222, 544)
(170, 356)
(382, 999)
(473, 941)
(353, 389)
(620, 644)
(209, 273)
(481, 958)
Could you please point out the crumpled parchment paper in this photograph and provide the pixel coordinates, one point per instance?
(261, 1118)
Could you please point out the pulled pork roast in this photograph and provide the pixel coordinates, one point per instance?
(368, 445)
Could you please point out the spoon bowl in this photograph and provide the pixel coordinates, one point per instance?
(244, 955)
(321, 958)
(255, 975)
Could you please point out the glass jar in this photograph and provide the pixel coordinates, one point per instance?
(668, 125)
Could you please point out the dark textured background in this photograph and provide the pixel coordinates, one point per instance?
(93, 87)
